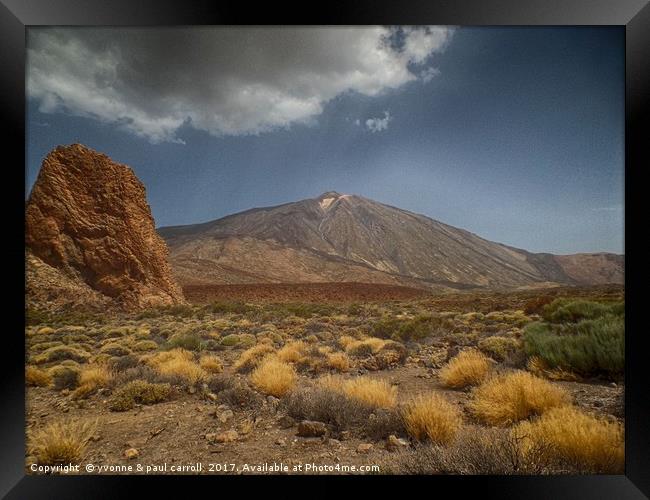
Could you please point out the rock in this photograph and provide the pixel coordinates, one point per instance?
(91, 238)
(211, 396)
(131, 453)
(223, 407)
(286, 422)
(226, 437)
(364, 448)
(393, 443)
(281, 442)
(225, 416)
(308, 428)
(333, 442)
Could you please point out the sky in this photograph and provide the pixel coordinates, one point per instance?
(515, 134)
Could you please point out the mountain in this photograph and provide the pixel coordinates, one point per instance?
(90, 236)
(340, 237)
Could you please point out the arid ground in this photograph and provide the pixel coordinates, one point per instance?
(336, 376)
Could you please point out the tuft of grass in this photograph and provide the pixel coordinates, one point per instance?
(469, 367)
(431, 417)
(293, 352)
(583, 442)
(211, 363)
(138, 392)
(373, 393)
(252, 357)
(515, 396)
(61, 442)
(36, 377)
(274, 377)
(338, 361)
(178, 366)
(91, 378)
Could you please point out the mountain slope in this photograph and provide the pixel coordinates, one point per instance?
(350, 238)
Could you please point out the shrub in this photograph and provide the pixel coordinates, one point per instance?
(514, 396)
(124, 363)
(92, 378)
(338, 361)
(588, 347)
(181, 369)
(61, 443)
(500, 348)
(405, 330)
(370, 392)
(115, 349)
(365, 347)
(274, 377)
(138, 392)
(585, 443)
(431, 417)
(145, 345)
(234, 392)
(211, 364)
(293, 352)
(37, 377)
(229, 308)
(328, 406)
(64, 377)
(189, 341)
(252, 357)
(476, 450)
(230, 340)
(467, 368)
(60, 353)
(572, 311)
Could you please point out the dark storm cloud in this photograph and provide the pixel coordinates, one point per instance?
(226, 81)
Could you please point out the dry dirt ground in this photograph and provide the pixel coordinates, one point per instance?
(181, 430)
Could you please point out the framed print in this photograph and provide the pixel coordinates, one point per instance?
(375, 242)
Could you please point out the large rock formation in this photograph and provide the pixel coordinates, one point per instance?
(87, 218)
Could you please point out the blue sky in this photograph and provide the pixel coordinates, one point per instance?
(516, 134)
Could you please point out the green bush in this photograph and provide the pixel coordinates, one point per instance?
(573, 311)
(230, 340)
(64, 377)
(589, 347)
(189, 341)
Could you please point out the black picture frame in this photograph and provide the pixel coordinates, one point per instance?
(16, 15)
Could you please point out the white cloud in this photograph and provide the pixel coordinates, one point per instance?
(379, 124)
(428, 74)
(226, 81)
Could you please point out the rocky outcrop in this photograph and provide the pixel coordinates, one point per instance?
(88, 218)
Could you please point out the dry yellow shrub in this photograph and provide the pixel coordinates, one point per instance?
(431, 416)
(91, 378)
(252, 357)
(467, 368)
(338, 361)
(582, 441)
(274, 377)
(293, 352)
(515, 396)
(211, 363)
(372, 392)
(60, 443)
(37, 377)
(180, 364)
